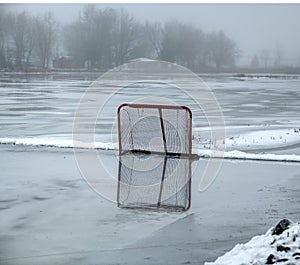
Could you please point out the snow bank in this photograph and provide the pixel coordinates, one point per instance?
(270, 248)
(65, 141)
(257, 140)
(236, 147)
(56, 142)
(248, 156)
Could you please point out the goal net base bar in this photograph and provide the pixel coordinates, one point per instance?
(168, 208)
(178, 155)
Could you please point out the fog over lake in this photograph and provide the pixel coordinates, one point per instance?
(254, 27)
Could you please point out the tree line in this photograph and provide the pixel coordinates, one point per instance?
(23, 36)
(105, 38)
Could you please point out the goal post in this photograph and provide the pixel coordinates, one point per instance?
(155, 129)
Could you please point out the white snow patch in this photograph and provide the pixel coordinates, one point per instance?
(141, 60)
(63, 141)
(259, 248)
(257, 140)
(56, 142)
(248, 156)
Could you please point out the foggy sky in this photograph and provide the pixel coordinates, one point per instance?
(253, 26)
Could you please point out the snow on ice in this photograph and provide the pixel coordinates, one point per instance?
(236, 147)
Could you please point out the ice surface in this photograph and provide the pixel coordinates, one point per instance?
(49, 215)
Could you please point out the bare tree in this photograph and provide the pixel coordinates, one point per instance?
(87, 22)
(154, 35)
(222, 49)
(90, 38)
(183, 44)
(105, 23)
(298, 60)
(74, 41)
(169, 46)
(45, 38)
(30, 38)
(125, 37)
(2, 23)
(278, 55)
(41, 41)
(265, 57)
(18, 30)
(2, 37)
(191, 44)
(16, 38)
(254, 62)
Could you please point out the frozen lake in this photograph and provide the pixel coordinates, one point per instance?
(261, 113)
(49, 215)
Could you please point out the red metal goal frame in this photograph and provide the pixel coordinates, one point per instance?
(159, 108)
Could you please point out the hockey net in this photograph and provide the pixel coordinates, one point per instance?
(155, 129)
(155, 144)
(154, 181)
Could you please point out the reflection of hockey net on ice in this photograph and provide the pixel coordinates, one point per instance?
(154, 181)
(155, 144)
(156, 129)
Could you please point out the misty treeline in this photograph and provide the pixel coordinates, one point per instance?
(105, 38)
(23, 36)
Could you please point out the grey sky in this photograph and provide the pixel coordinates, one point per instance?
(252, 26)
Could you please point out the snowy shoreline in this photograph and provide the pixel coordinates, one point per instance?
(278, 245)
(256, 140)
(247, 146)
(238, 155)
